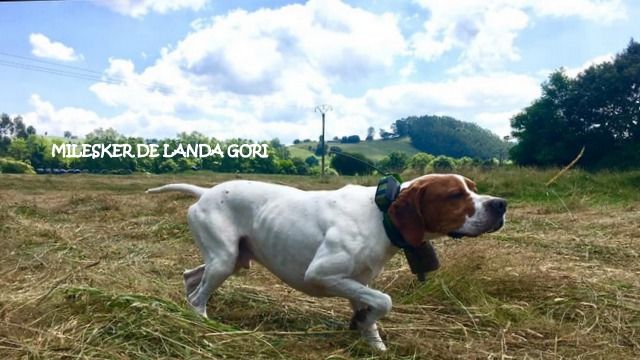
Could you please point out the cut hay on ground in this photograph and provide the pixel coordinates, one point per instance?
(91, 268)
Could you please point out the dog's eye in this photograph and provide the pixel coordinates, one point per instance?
(456, 195)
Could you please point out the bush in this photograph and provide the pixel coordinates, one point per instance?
(11, 166)
(286, 166)
(168, 166)
(301, 167)
(395, 162)
(420, 161)
(311, 160)
(442, 164)
(352, 164)
(351, 139)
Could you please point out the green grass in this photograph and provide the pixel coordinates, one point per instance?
(374, 150)
(91, 268)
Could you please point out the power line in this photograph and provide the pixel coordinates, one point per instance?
(74, 72)
(50, 63)
(54, 71)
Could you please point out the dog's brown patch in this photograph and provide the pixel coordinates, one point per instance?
(435, 204)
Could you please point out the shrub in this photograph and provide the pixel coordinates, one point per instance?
(11, 166)
(420, 161)
(286, 166)
(395, 162)
(168, 166)
(301, 167)
(352, 164)
(311, 160)
(442, 164)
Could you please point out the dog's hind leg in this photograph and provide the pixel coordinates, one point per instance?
(213, 275)
(219, 246)
(192, 278)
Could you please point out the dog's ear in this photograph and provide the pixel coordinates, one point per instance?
(470, 184)
(405, 213)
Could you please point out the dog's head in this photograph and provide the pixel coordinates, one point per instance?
(445, 204)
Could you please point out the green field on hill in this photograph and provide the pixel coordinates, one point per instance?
(374, 150)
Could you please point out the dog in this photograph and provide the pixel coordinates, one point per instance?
(325, 243)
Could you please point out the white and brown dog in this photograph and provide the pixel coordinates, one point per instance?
(325, 243)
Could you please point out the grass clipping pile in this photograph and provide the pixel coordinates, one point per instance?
(91, 268)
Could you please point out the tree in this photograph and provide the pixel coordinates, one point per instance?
(67, 134)
(395, 162)
(420, 161)
(20, 129)
(599, 109)
(371, 131)
(401, 127)
(6, 126)
(384, 134)
(443, 164)
(351, 164)
(311, 161)
(6, 133)
(19, 150)
(443, 135)
(351, 139)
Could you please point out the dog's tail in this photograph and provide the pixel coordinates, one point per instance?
(196, 191)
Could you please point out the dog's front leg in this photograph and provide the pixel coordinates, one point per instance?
(373, 304)
(370, 333)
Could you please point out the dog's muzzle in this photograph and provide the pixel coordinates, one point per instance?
(496, 208)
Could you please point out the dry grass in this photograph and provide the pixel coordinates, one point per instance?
(90, 267)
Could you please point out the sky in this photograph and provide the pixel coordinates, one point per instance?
(258, 69)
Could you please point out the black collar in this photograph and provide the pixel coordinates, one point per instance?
(421, 259)
(386, 193)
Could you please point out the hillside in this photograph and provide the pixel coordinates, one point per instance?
(444, 135)
(437, 135)
(374, 150)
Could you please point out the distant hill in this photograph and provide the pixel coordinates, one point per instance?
(374, 150)
(444, 135)
(437, 135)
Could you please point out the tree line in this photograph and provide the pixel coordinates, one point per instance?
(599, 110)
(24, 151)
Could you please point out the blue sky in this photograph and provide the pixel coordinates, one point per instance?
(257, 69)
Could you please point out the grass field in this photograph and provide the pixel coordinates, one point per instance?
(90, 267)
(374, 150)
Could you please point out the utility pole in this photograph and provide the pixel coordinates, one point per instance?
(503, 156)
(323, 109)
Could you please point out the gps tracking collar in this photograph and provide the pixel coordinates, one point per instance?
(421, 259)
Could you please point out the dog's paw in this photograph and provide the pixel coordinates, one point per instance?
(372, 337)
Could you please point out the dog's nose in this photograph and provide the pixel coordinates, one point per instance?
(498, 206)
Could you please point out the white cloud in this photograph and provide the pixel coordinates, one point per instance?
(271, 66)
(408, 69)
(46, 118)
(140, 8)
(43, 47)
(488, 100)
(485, 31)
(573, 72)
(603, 11)
(260, 74)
